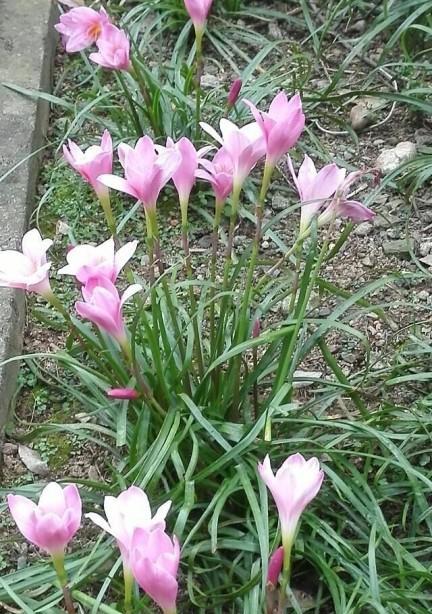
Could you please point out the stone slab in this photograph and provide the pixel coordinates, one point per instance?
(27, 48)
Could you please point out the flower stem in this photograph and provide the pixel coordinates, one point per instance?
(128, 589)
(286, 573)
(58, 562)
(104, 199)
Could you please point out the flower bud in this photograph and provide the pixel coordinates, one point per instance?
(234, 92)
(275, 566)
(124, 394)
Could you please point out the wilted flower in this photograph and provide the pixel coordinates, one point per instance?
(27, 270)
(87, 261)
(281, 127)
(52, 523)
(94, 161)
(103, 306)
(113, 49)
(81, 27)
(342, 206)
(295, 484)
(154, 560)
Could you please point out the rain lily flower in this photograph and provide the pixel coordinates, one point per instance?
(155, 560)
(52, 523)
(295, 484)
(281, 127)
(315, 188)
(113, 49)
(342, 206)
(123, 394)
(184, 176)
(219, 173)
(95, 161)
(245, 146)
(198, 11)
(275, 566)
(87, 261)
(81, 27)
(127, 512)
(27, 270)
(146, 172)
(103, 306)
(234, 92)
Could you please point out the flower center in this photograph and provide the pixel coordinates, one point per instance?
(95, 30)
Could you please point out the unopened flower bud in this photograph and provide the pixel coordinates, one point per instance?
(256, 329)
(125, 394)
(275, 566)
(234, 92)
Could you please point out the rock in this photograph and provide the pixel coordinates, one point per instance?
(32, 460)
(359, 26)
(209, 81)
(390, 159)
(393, 233)
(385, 220)
(423, 136)
(279, 203)
(361, 117)
(425, 248)
(427, 260)
(398, 247)
(275, 31)
(205, 242)
(363, 229)
(368, 261)
(239, 240)
(265, 245)
(10, 449)
(423, 295)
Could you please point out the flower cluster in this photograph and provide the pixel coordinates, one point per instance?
(149, 554)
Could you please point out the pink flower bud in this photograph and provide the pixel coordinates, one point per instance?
(234, 92)
(127, 394)
(275, 566)
(52, 523)
(256, 329)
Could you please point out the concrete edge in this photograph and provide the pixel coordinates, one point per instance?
(23, 127)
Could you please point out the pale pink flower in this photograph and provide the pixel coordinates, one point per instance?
(126, 513)
(113, 49)
(342, 206)
(198, 11)
(155, 559)
(95, 161)
(245, 146)
(81, 27)
(146, 172)
(275, 566)
(281, 126)
(27, 270)
(123, 394)
(53, 522)
(86, 261)
(219, 173)
(295, 484)
(315, 188)
(103, 306)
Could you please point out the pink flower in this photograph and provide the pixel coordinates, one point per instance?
(295, 484)
(184, 175)
(219, 173)
(86, 261)
(146, 172)
(245, 146)
(113, 49)
(275, 566)
(103, 306)
(95, 161)
(342, 206)
(234, 92)
(198, 11)
(281, 126)
(81, 27)
(124, 394)
(27, 270)
(126, 513)
(52, 523)
(315, 188)
(154, 561)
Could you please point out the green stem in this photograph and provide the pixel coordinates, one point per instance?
(215, 238)
(243, 319)
(136, 120)
(128, 589)
(104, 199)
(58, 562)
(192, 299)
(198, 74)
(88, 601)
(286, 574)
